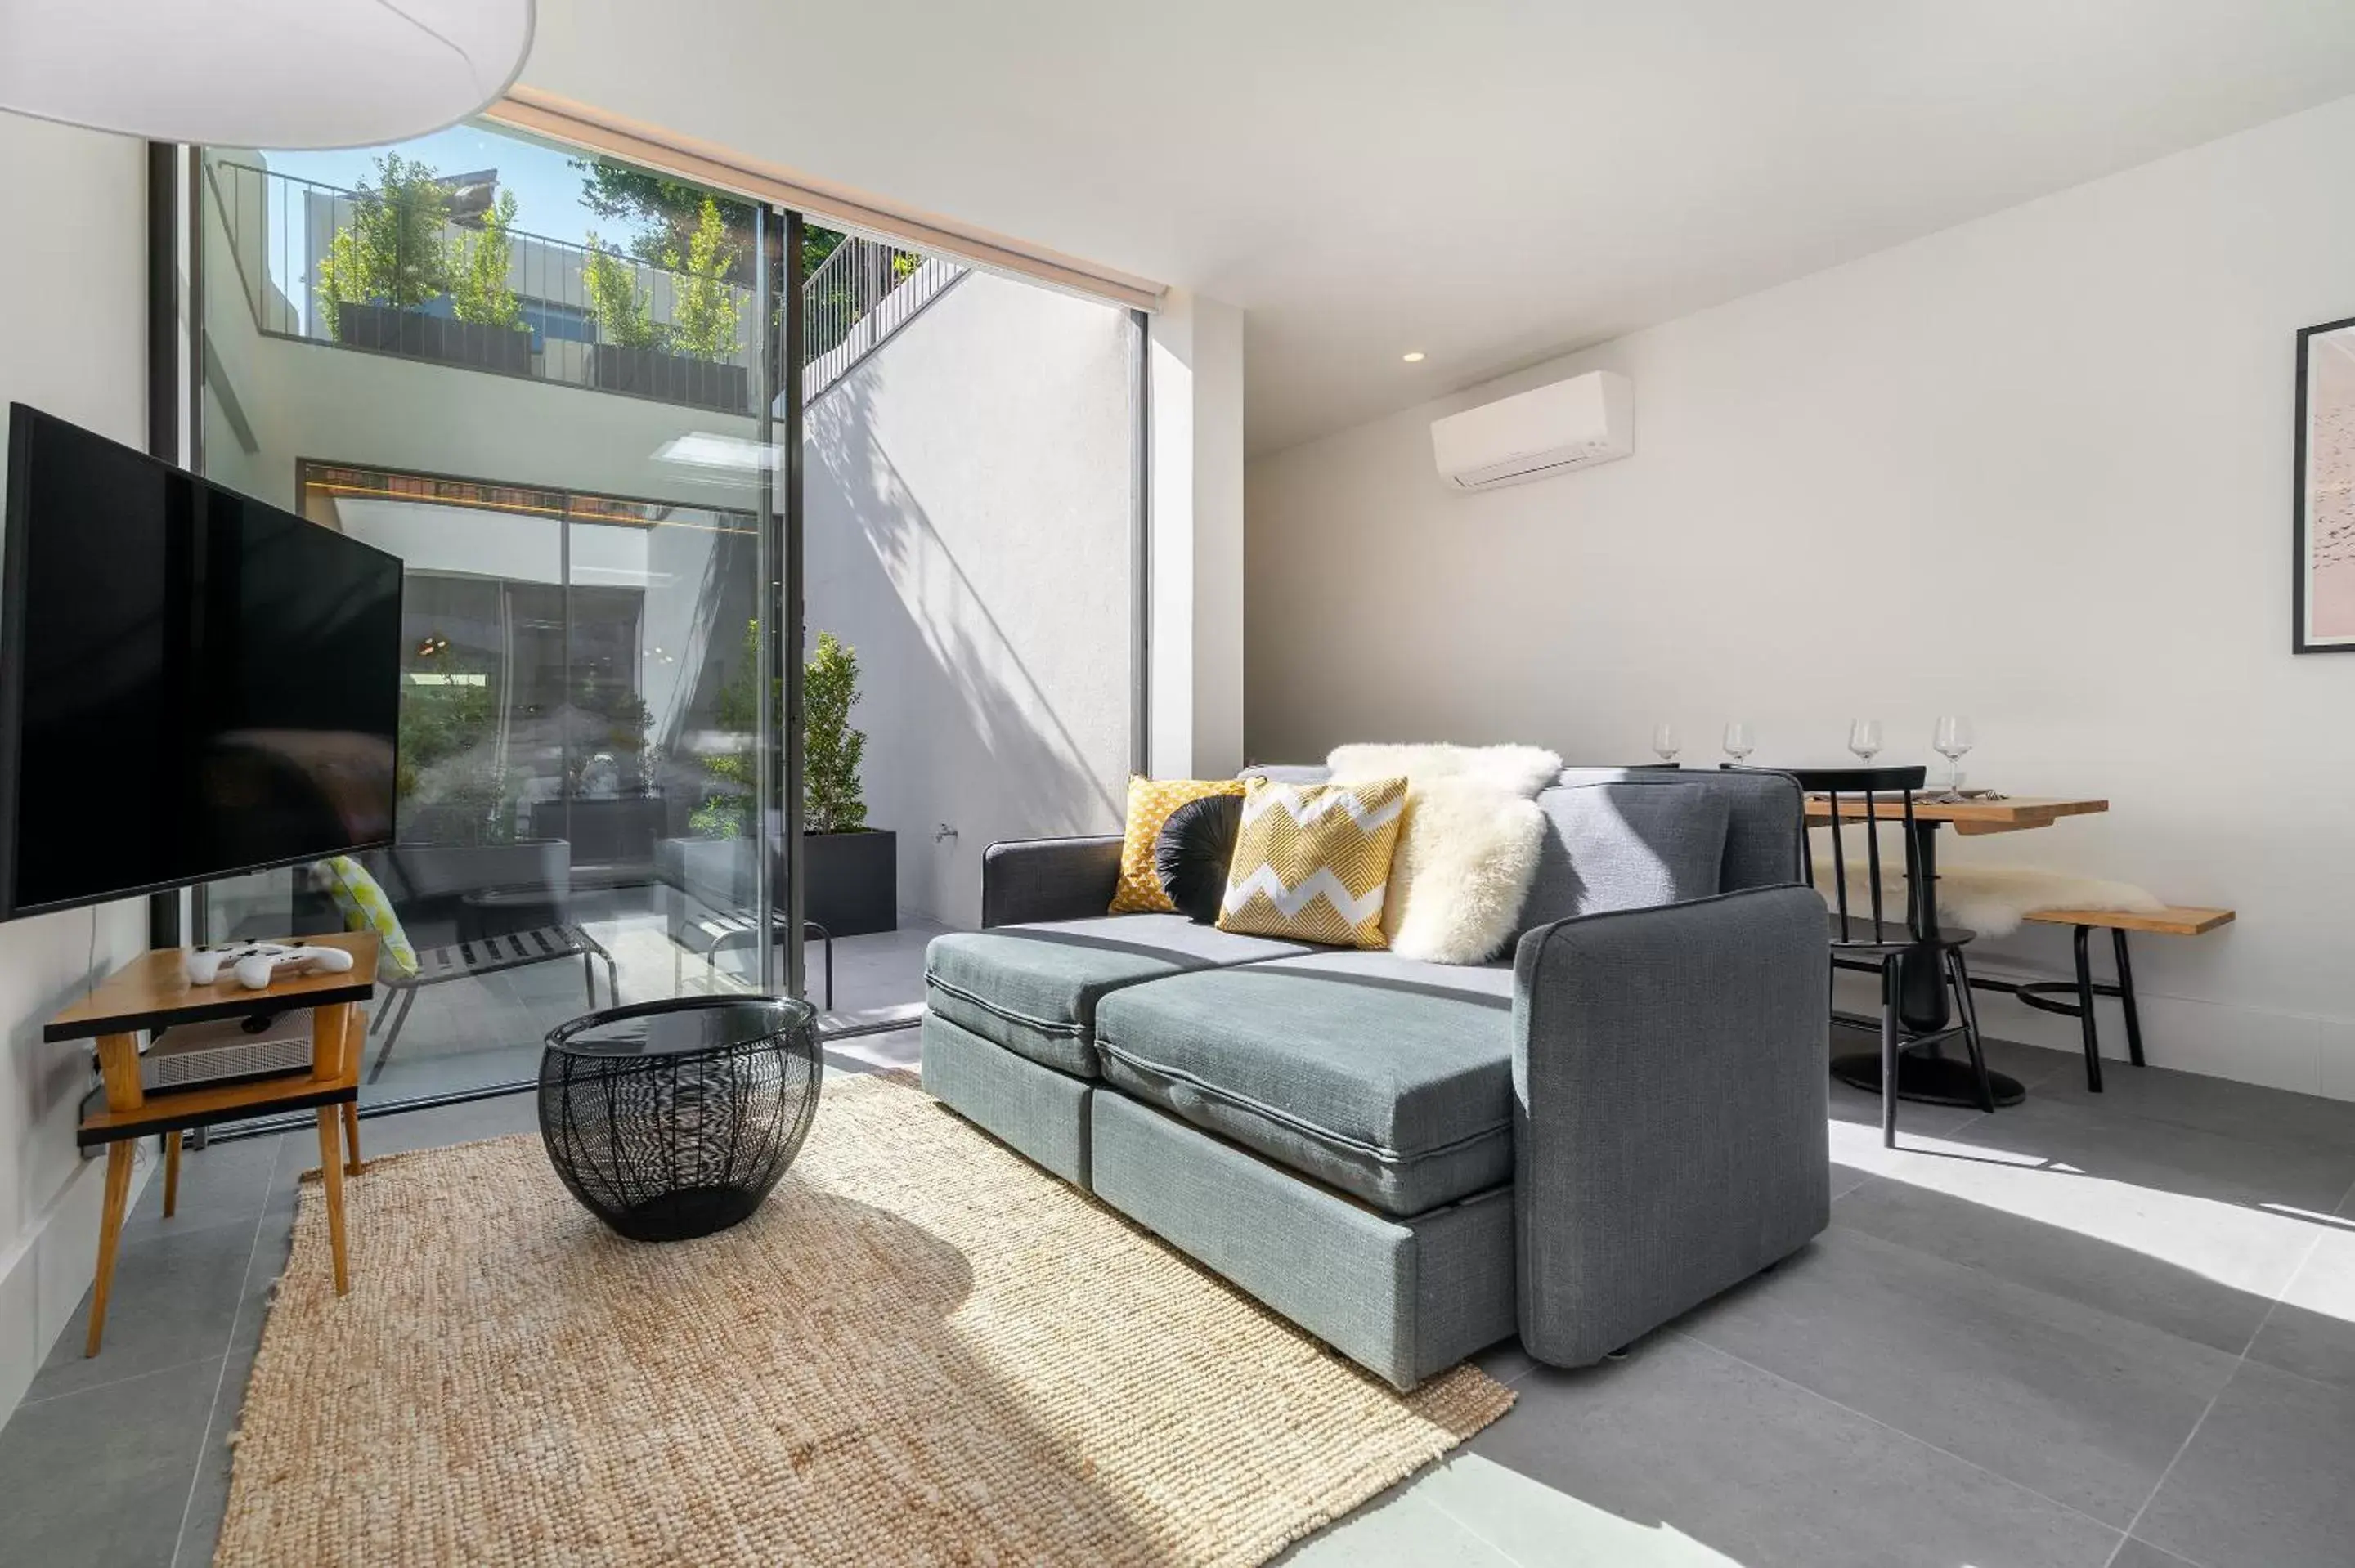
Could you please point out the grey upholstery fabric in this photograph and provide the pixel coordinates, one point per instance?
(1625, 844)
(1288, 772)
(1670, 1075)
(1048, 879)
(1404, 1298)
(1763, 828)
(1037, 1110)
(1034, 988)
(1386, 1078)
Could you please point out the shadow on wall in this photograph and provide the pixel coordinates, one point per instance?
(962, 729)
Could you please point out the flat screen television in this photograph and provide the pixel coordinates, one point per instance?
(193, 683)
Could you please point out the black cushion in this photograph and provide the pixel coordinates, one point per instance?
(1191, 856)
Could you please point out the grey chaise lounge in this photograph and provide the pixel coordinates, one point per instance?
(1412, 1161)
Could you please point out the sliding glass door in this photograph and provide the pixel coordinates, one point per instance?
(685, 491)
(546, 382)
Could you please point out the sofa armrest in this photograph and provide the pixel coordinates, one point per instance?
(1048, 879)
(1670, 1074)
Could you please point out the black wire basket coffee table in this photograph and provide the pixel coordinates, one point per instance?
(671, 1119)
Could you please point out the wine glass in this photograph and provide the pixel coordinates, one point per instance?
(1665, 742)
(1951, 740)
(1739, 742)
(1864, 738)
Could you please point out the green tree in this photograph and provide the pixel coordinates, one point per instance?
(391, 252)
(703, 318)
(831, 749)
(624, 315)
(667, 213)
(479, 267)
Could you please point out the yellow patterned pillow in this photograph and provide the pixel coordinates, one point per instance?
(1150, 801)
(365, 908)
(1313, 861)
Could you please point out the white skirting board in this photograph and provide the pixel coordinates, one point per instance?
(2254, 1045)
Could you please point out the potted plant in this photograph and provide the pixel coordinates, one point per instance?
(688, 359)
(850, 871)
(394, 259)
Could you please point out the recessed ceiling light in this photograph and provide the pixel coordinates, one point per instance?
(1413, 357)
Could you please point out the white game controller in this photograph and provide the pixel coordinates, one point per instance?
(257, 964)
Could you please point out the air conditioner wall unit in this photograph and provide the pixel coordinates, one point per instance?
(1537, 434)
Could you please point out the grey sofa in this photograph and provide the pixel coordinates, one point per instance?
(1576, 1143)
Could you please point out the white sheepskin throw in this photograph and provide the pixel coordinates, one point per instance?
(1516, 769)
(1465, 859)
(1991, 900)
(1469, 849)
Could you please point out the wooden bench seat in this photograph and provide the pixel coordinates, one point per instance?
(2075, 997)
(477, 957)
(2187, 920)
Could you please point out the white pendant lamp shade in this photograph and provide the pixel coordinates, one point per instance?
(260, 73)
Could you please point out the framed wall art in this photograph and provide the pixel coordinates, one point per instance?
(2323, 595)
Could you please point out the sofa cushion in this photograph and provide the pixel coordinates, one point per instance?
(1763, 829)
(1624, 846)
(1388, 1079)
(1150, 802)
(1311, 862)
(1034, 989)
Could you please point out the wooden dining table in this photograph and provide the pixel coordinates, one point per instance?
(1927, 1074)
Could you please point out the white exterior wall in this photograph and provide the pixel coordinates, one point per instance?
(72, 343)
(2036, 469)
(968, 528)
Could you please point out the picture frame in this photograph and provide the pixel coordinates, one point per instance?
(2322, 587)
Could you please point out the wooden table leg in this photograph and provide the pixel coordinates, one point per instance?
(352, 1136)
(110, 1232)
(331, 1175)
(171, 1174)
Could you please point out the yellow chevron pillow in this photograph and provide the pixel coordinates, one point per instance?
(1313, 862)
(1150, 801)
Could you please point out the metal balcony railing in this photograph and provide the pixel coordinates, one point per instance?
(281, 231)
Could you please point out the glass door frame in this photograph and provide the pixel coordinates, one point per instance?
(177, 351)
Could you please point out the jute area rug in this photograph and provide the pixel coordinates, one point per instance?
(922, 1349)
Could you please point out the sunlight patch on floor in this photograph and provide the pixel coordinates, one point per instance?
(2245, 1246)
(1530, 1521)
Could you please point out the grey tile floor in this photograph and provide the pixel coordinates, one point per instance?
(2091, 1329)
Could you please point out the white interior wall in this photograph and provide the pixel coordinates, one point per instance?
(967, 517)
(1196, 382)
(82, 356)
(2036, 469)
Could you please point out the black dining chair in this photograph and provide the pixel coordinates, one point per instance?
(1880, 938)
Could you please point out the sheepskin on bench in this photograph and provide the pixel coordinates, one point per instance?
(1991, 900)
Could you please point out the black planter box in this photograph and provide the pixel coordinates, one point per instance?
(615, 831)
(850, 882)
(672, 377)
(420, 337)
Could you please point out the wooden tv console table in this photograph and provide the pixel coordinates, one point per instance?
(153, 992)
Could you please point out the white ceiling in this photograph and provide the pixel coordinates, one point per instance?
(1489, 183)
